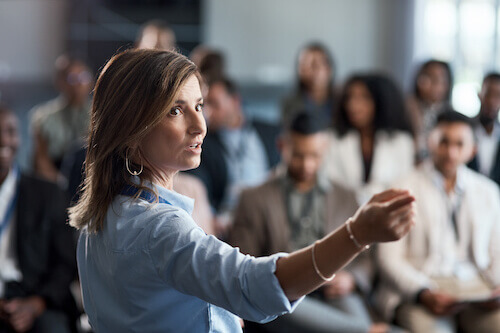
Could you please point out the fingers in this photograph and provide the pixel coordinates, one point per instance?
(399, 201)
(388, 195)
(403, 214)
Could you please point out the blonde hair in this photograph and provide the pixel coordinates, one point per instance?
(133, 93)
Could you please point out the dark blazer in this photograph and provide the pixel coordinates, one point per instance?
(45, 244)
(495, 171)
(213, 171)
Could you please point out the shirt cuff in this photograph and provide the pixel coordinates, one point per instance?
(273, 299)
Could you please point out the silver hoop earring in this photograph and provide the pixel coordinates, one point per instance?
(133, 173)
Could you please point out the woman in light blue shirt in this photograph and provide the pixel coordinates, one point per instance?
(144, 264)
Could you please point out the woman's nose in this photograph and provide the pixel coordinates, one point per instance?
(197, 124)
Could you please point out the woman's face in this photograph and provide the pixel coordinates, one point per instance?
(175, 143)
(360, 106)
(433, 84)
(314, 70)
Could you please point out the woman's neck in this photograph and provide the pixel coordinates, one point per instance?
(318, 94)
(367, 133)
(367, 136)
(163, 179)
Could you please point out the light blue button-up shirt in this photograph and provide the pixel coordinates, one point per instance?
(152, 269)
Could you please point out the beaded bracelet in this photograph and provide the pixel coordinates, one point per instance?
(324, 278)
(351, 236)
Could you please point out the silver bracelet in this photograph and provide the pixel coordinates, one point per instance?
(351, 236)
(324, 278)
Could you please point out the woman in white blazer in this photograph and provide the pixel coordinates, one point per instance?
(371, 145)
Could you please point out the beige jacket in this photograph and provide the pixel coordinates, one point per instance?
(402, 263)
(261, 225)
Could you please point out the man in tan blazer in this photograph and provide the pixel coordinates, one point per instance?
(452, 255)
(297, 206)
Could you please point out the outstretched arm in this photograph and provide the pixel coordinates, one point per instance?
(388, 216)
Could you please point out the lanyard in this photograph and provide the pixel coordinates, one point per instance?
(131, 191)
(11, 206)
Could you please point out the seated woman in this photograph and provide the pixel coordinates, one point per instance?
(431, 96)
(144, 264)
(315, 85)
(371, 145)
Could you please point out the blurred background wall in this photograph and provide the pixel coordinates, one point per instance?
(260, 39)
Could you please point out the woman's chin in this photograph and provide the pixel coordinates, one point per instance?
(191, 165)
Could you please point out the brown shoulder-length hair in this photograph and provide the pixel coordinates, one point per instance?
(133, 93)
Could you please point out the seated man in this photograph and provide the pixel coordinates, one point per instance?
(452, 255)
(294, 208)
(61, 124)
(37, 254)
(487, 129)
(237, 153)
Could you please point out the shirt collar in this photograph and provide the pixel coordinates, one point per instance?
(438, 179)
(481, 132)
(173, 198)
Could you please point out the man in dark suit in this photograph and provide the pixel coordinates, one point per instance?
(487, 129)
(37, 260)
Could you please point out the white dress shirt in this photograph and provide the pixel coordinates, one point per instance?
(487, 146)
(9, 269)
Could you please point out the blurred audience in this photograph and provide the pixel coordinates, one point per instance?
(487, 129)
(37, 253)
(435, 279)
(213, 66)
(371, 145)
(315, 90)
(62, 123)
(298, 206)
(155, 34)
(431, 95)
(237, 153)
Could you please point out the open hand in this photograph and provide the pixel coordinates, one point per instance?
(388, 216)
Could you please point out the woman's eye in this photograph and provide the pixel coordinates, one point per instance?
(199, 107)
(175, 111)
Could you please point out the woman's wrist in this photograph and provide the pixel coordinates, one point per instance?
(356, 234)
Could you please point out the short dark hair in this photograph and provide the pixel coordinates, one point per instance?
(228, 84)
(492, 76)
(451, 117)
(307, 123)
(212, 66)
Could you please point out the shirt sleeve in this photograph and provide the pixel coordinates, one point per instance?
(205, 267)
